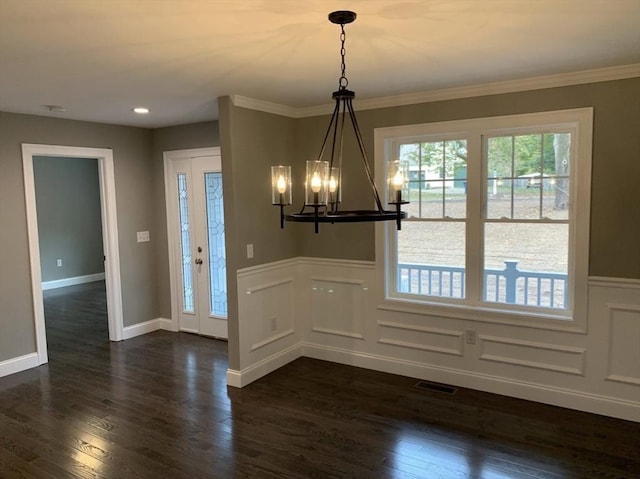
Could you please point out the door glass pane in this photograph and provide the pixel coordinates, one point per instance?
(215, 233)
(185, 244)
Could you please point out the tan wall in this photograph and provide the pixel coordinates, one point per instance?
(251, 142)
(139, 177)
(134, 199)
(615, 210)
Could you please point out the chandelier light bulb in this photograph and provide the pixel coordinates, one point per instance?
(333, 185)
(398, 180)
(281, 184)
(316, 183)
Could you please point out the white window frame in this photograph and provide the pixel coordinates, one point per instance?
(579, 122)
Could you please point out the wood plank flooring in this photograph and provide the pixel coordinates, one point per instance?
(157, 406)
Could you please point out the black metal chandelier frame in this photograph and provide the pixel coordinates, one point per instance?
(330, 211)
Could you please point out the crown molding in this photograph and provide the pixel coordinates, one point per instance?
(495, 88)
(265, 106)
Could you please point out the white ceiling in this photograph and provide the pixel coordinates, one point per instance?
(100, 58)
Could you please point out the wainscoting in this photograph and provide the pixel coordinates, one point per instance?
(328, 309)
(268, 303)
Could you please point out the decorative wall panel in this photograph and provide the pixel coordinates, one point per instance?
(337, 307)
(270, 312)
(624, 344)
(564, 359)
(421, 337)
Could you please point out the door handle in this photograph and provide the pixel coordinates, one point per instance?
(198, 261)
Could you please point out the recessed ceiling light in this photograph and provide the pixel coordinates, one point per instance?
(140, 110)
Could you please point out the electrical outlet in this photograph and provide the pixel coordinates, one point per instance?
(249, 251)
(59, 262)
(470, 336)
(274, 324)
(142, 236)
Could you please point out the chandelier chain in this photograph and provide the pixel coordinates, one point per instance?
(343, 82)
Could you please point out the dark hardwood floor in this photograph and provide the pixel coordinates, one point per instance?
(157, 406)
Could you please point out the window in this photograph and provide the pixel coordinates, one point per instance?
(498, 216)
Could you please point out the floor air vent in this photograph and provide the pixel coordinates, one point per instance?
(437, 387)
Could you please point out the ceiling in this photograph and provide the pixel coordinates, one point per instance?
(98, 58)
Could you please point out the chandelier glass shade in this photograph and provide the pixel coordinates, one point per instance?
(323, 179)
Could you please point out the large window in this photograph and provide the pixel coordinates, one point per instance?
(498, 215)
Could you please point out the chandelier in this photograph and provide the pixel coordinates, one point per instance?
(323, 184)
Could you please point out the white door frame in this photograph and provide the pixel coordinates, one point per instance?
(109, 235)
(172, 225)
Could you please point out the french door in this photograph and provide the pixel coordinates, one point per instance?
(196, 226)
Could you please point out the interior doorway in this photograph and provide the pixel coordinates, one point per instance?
(195, 229)
(108, 215)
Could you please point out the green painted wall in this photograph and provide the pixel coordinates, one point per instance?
(69, 217)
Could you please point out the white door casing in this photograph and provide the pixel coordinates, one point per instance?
(109, 235)
(189, 258)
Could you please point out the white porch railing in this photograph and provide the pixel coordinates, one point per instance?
(509, 285)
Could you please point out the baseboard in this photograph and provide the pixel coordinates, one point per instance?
(147, 327)
(28, 361)
(61, 283)
(21, 363)
(239, 379)
(168, 325)
(570, 399)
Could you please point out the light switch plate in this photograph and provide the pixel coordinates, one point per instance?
(143, 236)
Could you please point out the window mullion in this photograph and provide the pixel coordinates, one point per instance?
(475, 211)
(443, 175)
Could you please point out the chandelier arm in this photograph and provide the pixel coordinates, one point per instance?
(322, 208)
(332, 123)
(367, 169)
(340, 155)
(334, 119)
